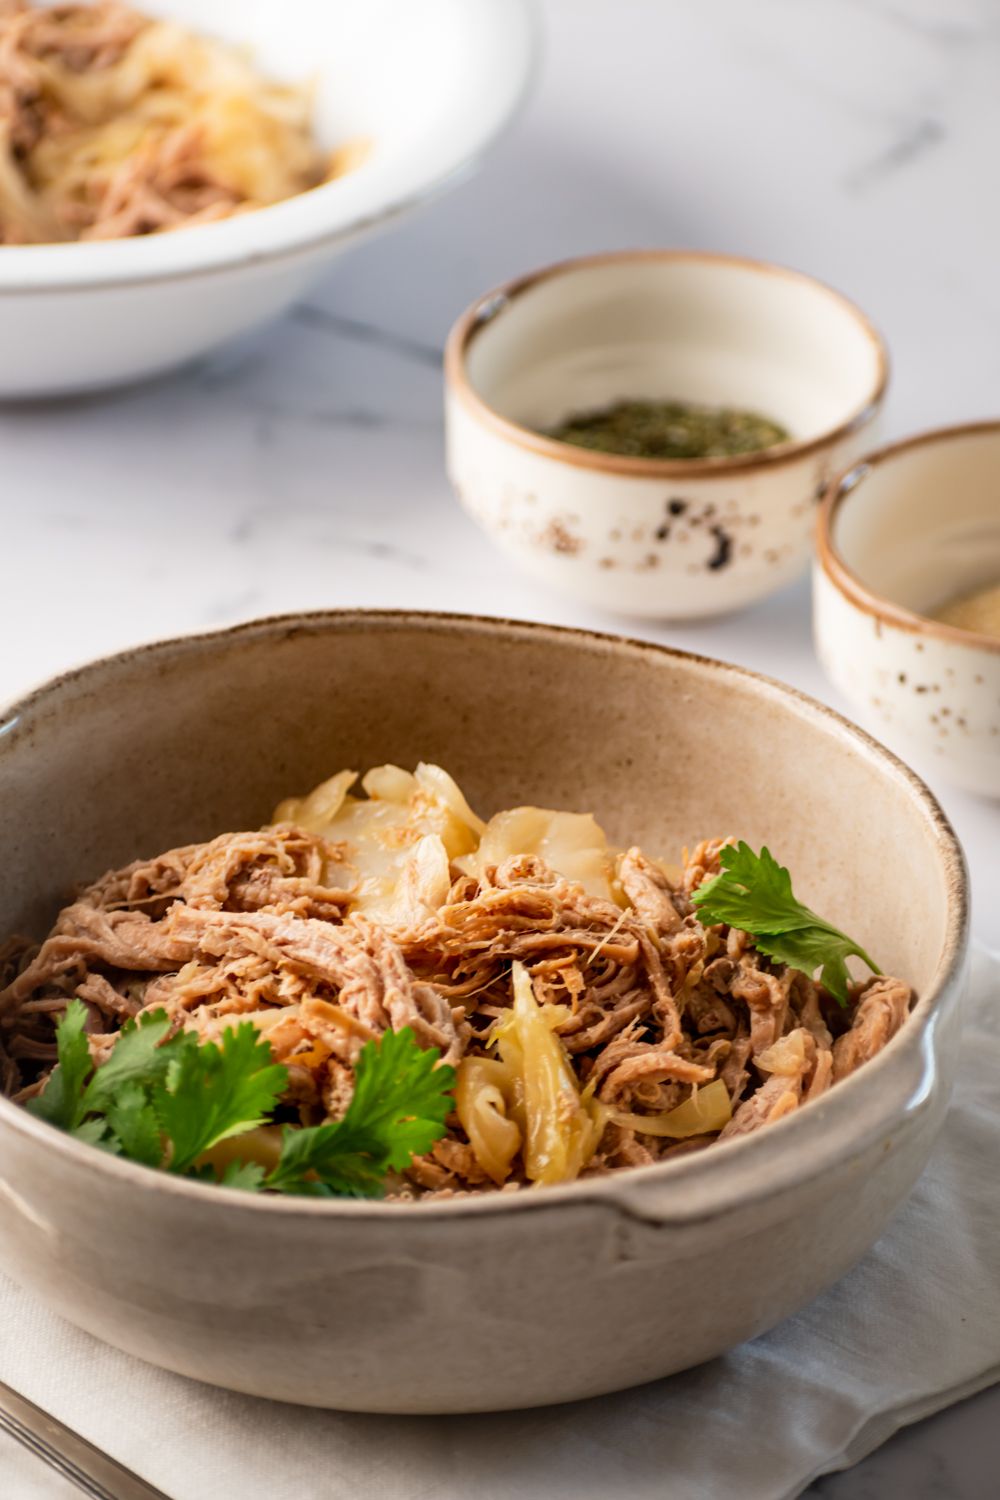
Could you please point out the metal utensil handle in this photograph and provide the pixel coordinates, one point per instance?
(94, 1472)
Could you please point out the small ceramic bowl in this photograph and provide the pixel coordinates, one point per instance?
(474, 1303)
(911, 528)
(666, 539)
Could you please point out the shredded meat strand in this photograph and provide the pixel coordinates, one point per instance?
(60, 103)
(881, 1010)
(259, 926)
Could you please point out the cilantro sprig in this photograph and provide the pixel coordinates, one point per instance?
(398, 1110)
(165, 1101)
(754, 893)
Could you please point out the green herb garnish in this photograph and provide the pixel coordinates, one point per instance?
(166, 1101)
(754, 893)
(400, 1103)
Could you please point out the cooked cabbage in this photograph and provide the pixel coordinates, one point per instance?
(487, 1103)
(560, 1129)
(786, 1056)
(399, 838)
(705, 1111)
(572, 844)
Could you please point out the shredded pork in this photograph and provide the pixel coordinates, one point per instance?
(260, 926)
(113, 124)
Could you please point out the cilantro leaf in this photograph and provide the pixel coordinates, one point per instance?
(248, 1175)
(137, 1057)
(166, 1100)
(136, 1128)
(68, 1099)
(61, 1101)
(398, 1110)
(754, 893)
(319, 1158)
(97, 1132)
(211, 1092)
(401, 1095)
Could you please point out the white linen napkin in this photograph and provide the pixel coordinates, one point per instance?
(913, 1328)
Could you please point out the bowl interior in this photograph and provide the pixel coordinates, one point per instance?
(922, 523)
(182, 741)
(675, 326)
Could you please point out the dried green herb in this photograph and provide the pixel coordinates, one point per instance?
(669, 429)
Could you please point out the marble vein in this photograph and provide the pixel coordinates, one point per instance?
(936, 28)
(920, 137)
(313, 316)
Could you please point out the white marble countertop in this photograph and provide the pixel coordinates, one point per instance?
(852, 138)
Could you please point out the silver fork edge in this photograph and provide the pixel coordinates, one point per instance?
(97, 1474)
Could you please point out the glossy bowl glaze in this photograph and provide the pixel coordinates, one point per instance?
(500, 1300)
(422, 90)
(904, 532)
(668, 539)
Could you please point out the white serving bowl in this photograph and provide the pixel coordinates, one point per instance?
(428, 85)
(667, 539)
(477, 1302)
(901, 534)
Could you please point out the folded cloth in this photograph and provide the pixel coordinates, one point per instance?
(914, 1327)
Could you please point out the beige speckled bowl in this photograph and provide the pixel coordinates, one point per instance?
(502, 1300)
(670, 539)
(901, 534)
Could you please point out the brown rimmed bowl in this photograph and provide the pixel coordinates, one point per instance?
(502, 1300)
(912, 527)
(659, 538)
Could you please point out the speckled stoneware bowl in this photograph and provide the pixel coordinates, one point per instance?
(667, 539)
(900, 535)
(501, 1300)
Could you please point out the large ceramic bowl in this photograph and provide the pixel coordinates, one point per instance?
(426, 87)
(670, 539)
(910, 529)
(503, 1300)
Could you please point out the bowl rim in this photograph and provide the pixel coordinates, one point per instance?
(794, 1150)
(831, 560)
(488, 306)
(504, 57)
